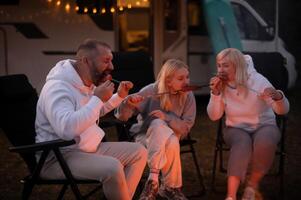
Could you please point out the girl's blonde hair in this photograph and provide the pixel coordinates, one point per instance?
(166, 73)
(236, 58)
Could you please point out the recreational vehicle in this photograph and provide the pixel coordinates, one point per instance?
(35, 34)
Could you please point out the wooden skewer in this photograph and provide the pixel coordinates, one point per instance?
(185, 89)
(115, 81)
(223, 79)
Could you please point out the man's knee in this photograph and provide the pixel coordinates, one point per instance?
(115, 170)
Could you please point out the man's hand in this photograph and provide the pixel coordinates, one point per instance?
(124, 88)
(273, 93)
(133, 100)
(104, 91)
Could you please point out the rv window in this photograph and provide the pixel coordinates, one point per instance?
(196, 19)
(249, 27)
(171, 15)
(134, 26)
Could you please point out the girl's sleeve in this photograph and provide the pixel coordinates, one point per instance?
(124, 111)
(182, 125)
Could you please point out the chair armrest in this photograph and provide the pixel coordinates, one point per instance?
(122, 128)
(111, 123)
(42, 146)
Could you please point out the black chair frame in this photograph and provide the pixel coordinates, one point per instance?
(18, 109)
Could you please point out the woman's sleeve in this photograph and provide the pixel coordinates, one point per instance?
(215, 107)
(281, 107)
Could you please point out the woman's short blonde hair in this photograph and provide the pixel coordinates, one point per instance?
(235, 57)
(167, 71)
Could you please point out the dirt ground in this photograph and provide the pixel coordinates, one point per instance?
(12, 168)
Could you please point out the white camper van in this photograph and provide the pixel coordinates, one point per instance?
(35, 34)
(258, 39)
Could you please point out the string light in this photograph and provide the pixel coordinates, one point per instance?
(112, 9)
(67, 7)
(86, 10)
(121, 5)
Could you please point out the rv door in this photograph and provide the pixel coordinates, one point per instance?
(169, 31)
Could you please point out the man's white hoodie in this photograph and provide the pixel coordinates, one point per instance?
(251, 111)
(67, 109)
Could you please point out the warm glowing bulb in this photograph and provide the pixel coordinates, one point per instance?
(67, 7)
(76, 8)
(103, 10)
(129, 5)
(85, 10)
(94, 10)
(58, 3)
(112, 10)
(145, 0)
(49, 1)
(120, 8)
(138, 3)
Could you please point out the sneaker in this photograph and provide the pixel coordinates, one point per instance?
(229, 198)
(150, 190)
(249, 193)
(171, 193)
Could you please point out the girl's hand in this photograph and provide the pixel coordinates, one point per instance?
(158, 113)
(133, 100)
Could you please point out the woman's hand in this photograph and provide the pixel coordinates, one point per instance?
(273, 93)
(158, 113)
(216, 85)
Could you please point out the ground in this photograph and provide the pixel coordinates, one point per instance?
(12, 168)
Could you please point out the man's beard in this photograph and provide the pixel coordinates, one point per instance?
(101, 77)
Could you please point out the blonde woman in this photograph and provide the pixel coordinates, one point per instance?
(162, 121)
(248, 101)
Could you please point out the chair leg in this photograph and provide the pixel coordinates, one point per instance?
(214, 170)
(221, 161)
(62, 192)
(68, 174)
(281, 174)
(86, 196)
(27, 189)
(200, 177)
